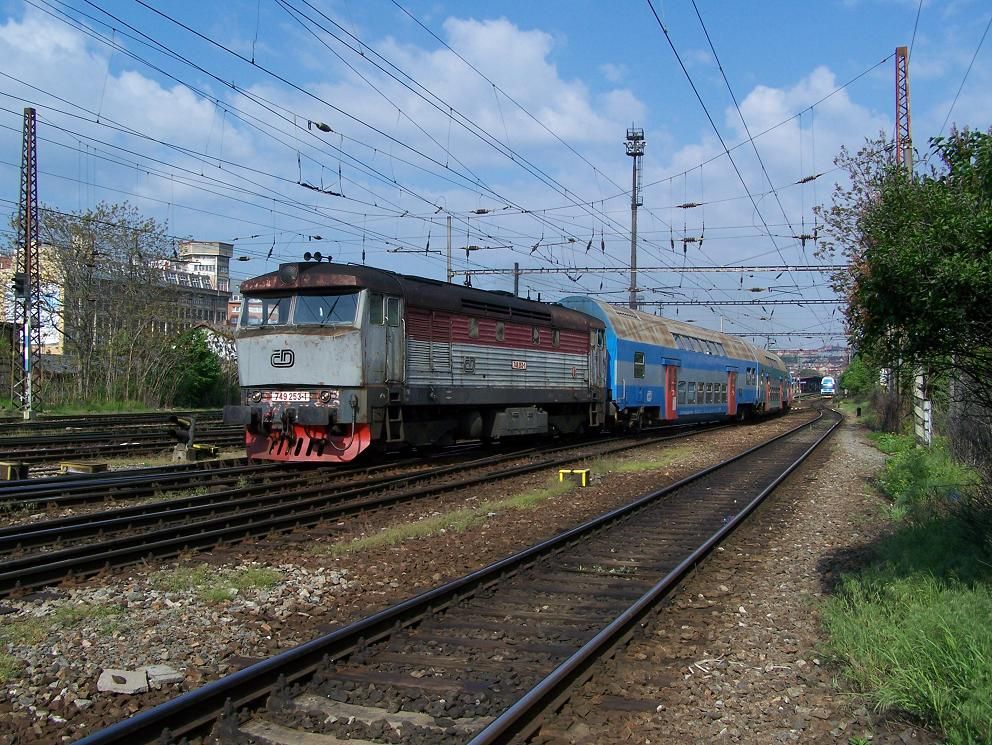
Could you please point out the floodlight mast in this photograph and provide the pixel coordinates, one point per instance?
(635, 149)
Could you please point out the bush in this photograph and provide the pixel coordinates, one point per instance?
(890, 443)
(924, 479)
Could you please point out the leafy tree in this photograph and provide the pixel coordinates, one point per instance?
(117, 317)
(201, 375)
(859, 379)
(918, 247)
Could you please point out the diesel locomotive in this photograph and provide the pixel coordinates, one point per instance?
(336, 359)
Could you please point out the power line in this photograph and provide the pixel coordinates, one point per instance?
(966, 72)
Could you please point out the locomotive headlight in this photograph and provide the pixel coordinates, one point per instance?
(256, 396)
(325, 397)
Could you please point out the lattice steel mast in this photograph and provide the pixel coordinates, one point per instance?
(27, 294)
(904, 138)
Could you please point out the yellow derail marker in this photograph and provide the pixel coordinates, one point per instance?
(582, 473)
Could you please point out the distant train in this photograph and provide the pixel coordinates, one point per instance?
(827, 386)
(337, 359)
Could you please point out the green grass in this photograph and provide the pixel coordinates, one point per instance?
(213, 585)
(456, 521)
(617, 464)
(890, 443)
(34, 629)
(912, 630)
(920, 645)
(10, 668)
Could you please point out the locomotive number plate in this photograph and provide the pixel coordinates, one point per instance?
(290, 395)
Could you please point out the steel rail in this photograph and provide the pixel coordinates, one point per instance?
(275, 515)
(551, 692)
(192, 712)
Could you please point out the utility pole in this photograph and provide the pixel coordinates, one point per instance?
(922, 406)
(451, 274)
(635, 149)
(27, 274)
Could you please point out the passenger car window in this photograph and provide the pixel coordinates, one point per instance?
(639, 364)
(473, 328)
(681, 391)
(500, 330)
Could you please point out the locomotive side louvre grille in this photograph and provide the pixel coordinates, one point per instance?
(493, 367)
(432, 352)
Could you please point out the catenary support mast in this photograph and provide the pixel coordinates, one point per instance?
(27, 276)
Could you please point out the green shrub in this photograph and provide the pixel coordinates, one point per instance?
(925, 479)
(891, 443)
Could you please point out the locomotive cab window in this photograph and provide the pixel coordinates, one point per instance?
(376, 311)
(393, 311)
(323, 310)
(274, 311)
(639, 364)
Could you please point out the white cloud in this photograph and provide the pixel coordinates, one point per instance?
(613, 72)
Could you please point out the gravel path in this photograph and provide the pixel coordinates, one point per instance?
(760, 663)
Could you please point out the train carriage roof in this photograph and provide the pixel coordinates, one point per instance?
(636, 325)
(417, 291)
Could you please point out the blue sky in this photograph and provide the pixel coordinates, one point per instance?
(508, 117)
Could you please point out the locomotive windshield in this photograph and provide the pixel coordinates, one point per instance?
(265, 311)
(325, 309)
(304, 310)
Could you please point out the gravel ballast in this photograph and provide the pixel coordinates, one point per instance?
(744, 633)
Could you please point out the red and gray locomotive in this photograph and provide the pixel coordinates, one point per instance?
(334, 359)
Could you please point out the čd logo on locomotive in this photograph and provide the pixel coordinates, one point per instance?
(282, 358)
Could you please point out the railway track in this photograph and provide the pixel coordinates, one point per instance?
(36, 555)
(84, 421)
(47, 449)
(486, 658)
